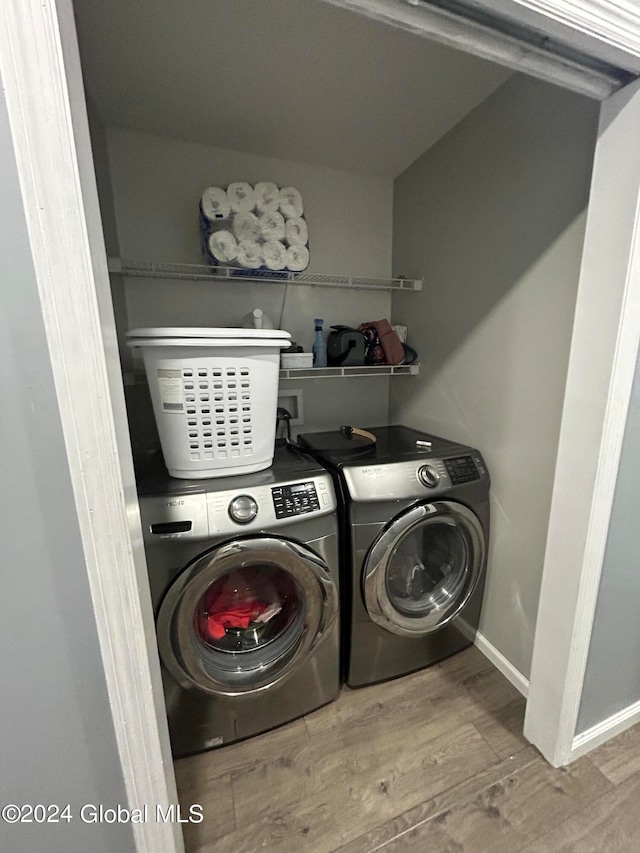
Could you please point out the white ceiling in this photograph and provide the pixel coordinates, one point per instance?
(296, 79)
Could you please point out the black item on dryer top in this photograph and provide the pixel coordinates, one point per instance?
(394, 444)
(345, 347)
(325, 444)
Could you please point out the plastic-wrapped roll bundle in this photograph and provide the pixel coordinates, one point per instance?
(249, 254)
(290, 203)
(267, 196)
(297, 233)
(246, 226)
(241, 197)
(272, 226)
(223, 246)
(275, 255)
(297, 258)
(205, 230)
(215, 204)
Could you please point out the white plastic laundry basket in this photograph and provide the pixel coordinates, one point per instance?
(214, 394)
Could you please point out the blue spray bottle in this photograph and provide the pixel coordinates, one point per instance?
(319, 348)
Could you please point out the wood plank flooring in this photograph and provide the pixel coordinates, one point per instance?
(434, 762)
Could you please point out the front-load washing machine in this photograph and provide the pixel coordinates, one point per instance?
(244, 579)
(415, 529)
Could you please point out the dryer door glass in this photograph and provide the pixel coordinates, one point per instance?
(423, 568)
(244, 615)
(427, 568)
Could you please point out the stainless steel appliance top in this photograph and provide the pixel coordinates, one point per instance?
(403, 463)
(289, 464)
(394, 443)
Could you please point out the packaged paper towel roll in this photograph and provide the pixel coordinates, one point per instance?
(275, 255)
(267, 196)
(249, 254)
(223, 246)
(297, 233)
(290, 202)
(272, 226)
(297, 258)
(241, 197)
(246, 226)
(215, 204)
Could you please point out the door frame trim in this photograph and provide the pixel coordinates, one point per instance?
(609, 29)
(613, 24)
(445, 27)
(592, 430)
(43, 87)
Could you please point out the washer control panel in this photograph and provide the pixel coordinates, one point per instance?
(295, 499)
(205, 515)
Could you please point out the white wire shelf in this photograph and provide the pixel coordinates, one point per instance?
(139, 377)
(353, 372)
(202, 272)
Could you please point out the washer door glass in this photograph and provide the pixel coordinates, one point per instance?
(243, 616)
(251, 617)
(423, 568)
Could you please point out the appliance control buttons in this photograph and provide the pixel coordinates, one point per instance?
(428, 476)
(242, 509)
(295, 499)
(462, 469)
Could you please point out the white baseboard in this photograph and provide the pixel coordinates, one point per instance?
(601, 732)
(502, 664)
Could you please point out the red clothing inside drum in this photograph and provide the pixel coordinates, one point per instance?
(230, 603)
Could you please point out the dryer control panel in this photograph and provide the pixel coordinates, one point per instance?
(431, 476)
(461, 469)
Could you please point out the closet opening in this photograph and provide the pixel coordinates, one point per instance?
(417, 162)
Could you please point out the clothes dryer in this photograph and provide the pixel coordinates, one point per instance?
(244, 578)
(415, 532)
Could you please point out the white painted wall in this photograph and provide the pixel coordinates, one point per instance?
(157, 183)
(493, 218)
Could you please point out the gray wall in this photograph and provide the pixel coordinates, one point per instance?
(493, 217)
(56, 734)
(612, 678)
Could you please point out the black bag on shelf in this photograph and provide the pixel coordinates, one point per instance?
(345, 347)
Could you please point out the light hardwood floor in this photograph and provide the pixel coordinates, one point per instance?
(434, 762)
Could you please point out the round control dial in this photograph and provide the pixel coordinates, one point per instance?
(428, 476)
(243, 509)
